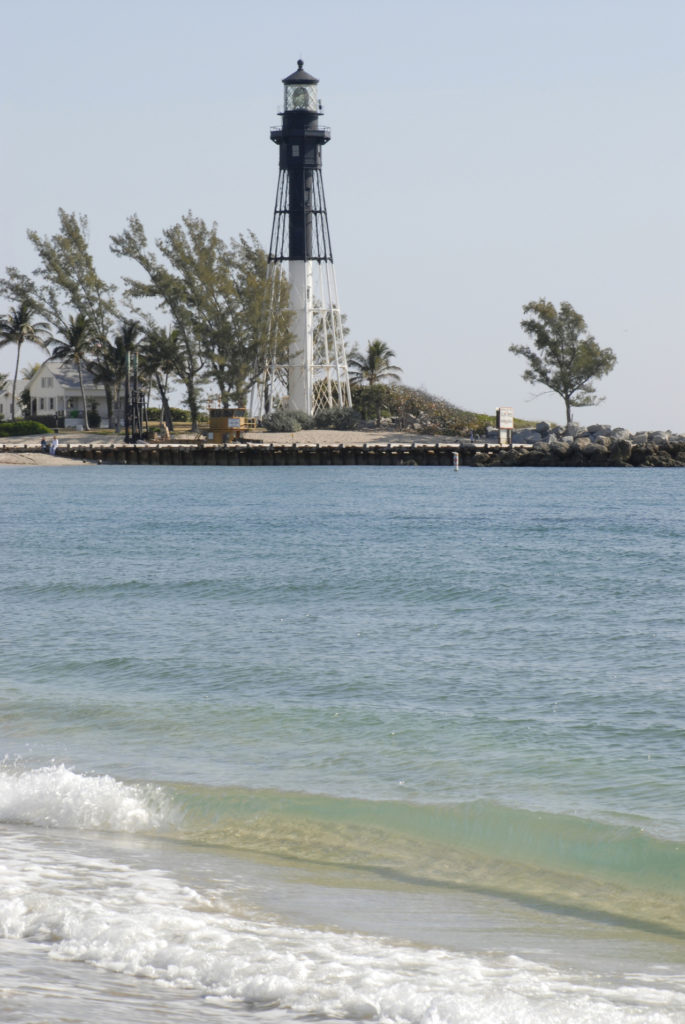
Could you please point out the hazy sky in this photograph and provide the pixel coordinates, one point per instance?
(483, 155)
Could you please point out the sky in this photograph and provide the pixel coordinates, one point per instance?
(482, 156)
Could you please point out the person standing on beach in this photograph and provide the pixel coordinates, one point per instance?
(54, 445)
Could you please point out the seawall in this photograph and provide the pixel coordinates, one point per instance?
(619, 452)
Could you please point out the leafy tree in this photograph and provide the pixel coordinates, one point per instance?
(375, 366)
(566, 359)
(171, 292)
(76, 346)
(66, 281)
(371, 400)
(260, 316)
(158, 361)
(215, 295)
(20, 325)
(108, 365)
(66, 285)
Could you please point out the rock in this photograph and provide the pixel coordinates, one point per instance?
(603, 429)
(525, 436)
(641, 453)
(572, 429)
(621, 433)
(543, 428)
(593, 453)
(621, 449)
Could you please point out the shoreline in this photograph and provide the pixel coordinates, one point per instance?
(359, 447)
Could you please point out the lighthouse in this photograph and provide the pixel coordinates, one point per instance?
(316, 375)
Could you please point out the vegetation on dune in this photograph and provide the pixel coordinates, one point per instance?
(417, 408)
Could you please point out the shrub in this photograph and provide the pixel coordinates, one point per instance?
(282, 422)
(436, 415)
(15, 428)
(306, 421)
(338, 419)
(180, 415)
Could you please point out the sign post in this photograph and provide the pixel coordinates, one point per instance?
(504, 415)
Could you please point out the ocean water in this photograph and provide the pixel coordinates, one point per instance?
(393, 745)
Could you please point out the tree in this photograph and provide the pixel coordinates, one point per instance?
(66, 279)
(17, 327)
(66, 285)
(108, 365)
(216, 297)
(75, 347)
(567, 359)
(172, 292)
(374, 367)
(158, 360)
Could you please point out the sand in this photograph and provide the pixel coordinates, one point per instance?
(348, 437)
(38, 459)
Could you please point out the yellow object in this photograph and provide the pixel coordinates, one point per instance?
(226, 424)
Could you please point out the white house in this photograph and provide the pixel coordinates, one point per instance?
(55, 391)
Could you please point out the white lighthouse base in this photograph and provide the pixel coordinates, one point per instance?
(300, 358)
(316, 375)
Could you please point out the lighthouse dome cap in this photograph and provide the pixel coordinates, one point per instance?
(300, 76)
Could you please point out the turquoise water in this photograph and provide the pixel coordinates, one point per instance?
(395, 744)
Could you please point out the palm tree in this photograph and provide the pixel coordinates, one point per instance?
(159, 360)
(108, 366)
(375, 367)
(16, 328)
(76, 347)
(4, 381)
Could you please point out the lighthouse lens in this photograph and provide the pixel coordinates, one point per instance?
(300, 97)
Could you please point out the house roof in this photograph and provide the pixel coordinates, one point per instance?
(66, 374)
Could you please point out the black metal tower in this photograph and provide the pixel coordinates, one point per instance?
(317, 374)
(300, 225)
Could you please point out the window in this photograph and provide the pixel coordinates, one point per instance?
(52, 403)
(42, 403)
(46, 382)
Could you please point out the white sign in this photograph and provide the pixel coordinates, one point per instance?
(505, 417)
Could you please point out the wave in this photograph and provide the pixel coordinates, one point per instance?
(560, 862)
(57, 797)
(143, 923)
(569, 864)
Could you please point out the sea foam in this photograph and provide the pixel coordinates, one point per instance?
(55, 796)
(143, 923)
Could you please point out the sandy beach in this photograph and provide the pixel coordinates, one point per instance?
(335, 437)
(38, 459)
